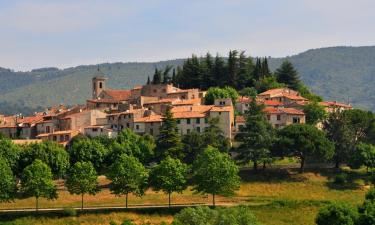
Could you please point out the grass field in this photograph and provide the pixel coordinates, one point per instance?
(276, 197)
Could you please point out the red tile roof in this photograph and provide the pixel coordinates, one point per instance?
(272, 110)
(148, 119)
(118, 95)
(335, 104)
(240, 119)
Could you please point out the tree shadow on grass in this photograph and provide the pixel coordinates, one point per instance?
(270, 175)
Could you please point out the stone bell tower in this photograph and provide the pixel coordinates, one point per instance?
(98, 83)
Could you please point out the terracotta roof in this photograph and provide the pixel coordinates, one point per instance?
(272, 110)
(335, 104)
(272, 103)
(118, 95)
(148, 119)
(161, 101)
(276, 91)
(244, 99)
(182, 115)
(31, 119)
(240, 119)
(294, 97)
(221, 109)
(194, 108)
(194, 101)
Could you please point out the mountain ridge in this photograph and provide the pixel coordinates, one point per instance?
(337, 73)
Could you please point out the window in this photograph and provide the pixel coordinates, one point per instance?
(47, 129)
(188, 121)
(155, 90)
(152, 124)
(178, 121)
(94, 129)
(219, 113)
(151, 131)
(198, 121)
(54, 138)
(164, 90)
(66, 137)
(61, 138)
(296, 120)
(278, 117)
(206, 120)
(127, 125)
(137, 127)
(100, 85)
(188, 131)
(198, 129)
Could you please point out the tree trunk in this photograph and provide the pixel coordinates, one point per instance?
(37, 204)
(213, 200)
(82, 201)
(302, 168)
(264, 165)
(255, 166)
(126, 200)
(169, 199)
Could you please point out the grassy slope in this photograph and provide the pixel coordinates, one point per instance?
(276, 198)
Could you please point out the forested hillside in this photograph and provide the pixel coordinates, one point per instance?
(336, 73)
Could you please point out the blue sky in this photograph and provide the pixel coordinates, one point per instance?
(40, 33)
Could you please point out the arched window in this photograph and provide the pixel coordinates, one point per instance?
(100, 85)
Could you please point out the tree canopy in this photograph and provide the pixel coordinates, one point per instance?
(7, 182)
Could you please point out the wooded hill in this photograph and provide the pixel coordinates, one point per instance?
(336, 73)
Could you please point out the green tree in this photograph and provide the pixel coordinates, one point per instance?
(337, 128)
(36, 181)
(364, 156)
(88, 150)
(130, 143)
(266, 83)
(336, 214)
(201, 215)
(51, 153)
(218, 93)
(257, 136)
(7, 182)
(169, 176)
(193, 143)
(288, 75)
(128, 175)
(157, 78)
(215, 173)
(10, 153)
(169, 140)
(239, 215)
(367, 209)
(304, 141)
(315, 113)
(82, 179)
(219, 71)
(232, 69)
(249, 92)
(214, 136)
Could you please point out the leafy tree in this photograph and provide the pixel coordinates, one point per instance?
(193, 143)
(82, 179)
(37, 182)
(266, 83)
(336, 214)
(359, 122)
(214, 136)
(88, 150)
(7, 182)
(128, 175)
(239, 215)
(169, 176)
(51, 153)
(130, 143)
(169, 140)
(363, 156)
(315, 113)
(288, 75)
(265, 71)
(217, 93)
(257, 136)
(10, 153)
(215, 173)
(249, 92)
(338, 131)
(367, 209)
(306, 93)
(304, 141)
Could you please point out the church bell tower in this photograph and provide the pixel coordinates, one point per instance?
(98, 83)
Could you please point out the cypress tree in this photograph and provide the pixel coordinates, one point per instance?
(207, 66)
(148, 80)
(174, 78)
(232, 66)
(257, 70)
(288, 75)
(219, 72)
(169, 140)
(244, 71)
(265, 69)
(166, 77)
(157, 77)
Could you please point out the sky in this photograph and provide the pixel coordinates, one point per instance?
(52, 33)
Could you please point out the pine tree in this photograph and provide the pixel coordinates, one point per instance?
(288, 75)
(265, 69)
(232, 66)
(174, 77)
(157, 77)
(208, 79)
(219, 70)
(244, 77)
(166, 77)
(148, 80)
(169, 140)
(257, 70)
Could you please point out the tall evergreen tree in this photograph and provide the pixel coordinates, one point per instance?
(257, 137)
(257, 70)
(219, 71)
(174, 77)
(148, 80)
(265, 70)
(288, 75)
(169, 140)
(157, 78)
(166, 77)
(209, 79)
(244, 77)
(232, 66)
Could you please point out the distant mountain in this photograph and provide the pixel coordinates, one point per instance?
(337, 73)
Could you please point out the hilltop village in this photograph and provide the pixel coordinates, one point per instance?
(141, 109)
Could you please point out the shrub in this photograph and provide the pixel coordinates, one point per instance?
(341, 179)
(128, 222)
(372, 179)
(336, 214)
(69, 212)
